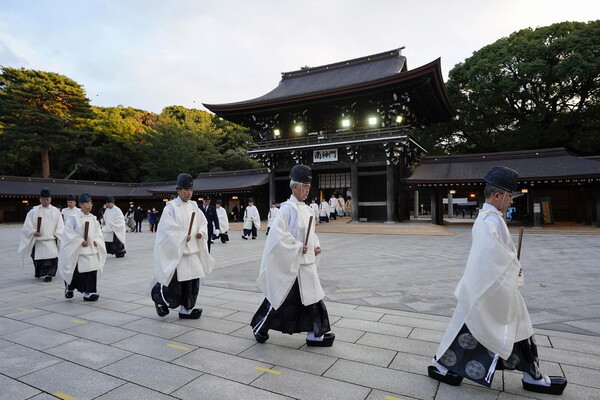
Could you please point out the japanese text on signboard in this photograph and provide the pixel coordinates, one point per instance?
(325, 155)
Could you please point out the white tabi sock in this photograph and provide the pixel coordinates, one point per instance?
(544, 381)
(311, 336)
(183, 310)
(443, 370)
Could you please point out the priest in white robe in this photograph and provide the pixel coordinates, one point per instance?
(251, 220)
(82, 253)
(113, 227)
(490, 329)
(41, 235)
(273, 211)
(288, 273)
(223, 232)
(71, 208)
(181, 255)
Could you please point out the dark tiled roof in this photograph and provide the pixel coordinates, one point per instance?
(11, 186)
(543, 164)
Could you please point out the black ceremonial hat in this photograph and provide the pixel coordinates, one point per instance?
(219, 201)
(185, 181)
(301, 173)
(45, 193)
(503, 178)
(84, 198)
(71, 197)
(110, 199)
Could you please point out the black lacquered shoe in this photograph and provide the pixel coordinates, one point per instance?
(195, 314)
(327, 341)
(92, 297)
(68, 294)
(161, 310)
(557, 386)
(47, 278)
(260, 338)
(450, 378)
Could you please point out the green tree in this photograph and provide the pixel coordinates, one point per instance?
(536, 88)
(41, 112)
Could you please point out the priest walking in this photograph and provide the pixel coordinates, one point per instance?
(181, 255)
(490, 329)
(41, 235)
(251, 220)
(71, 208)
(113, 227)
(288, 273)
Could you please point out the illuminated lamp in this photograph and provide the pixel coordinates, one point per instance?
(276, 132)
(472, 195)
(399, 119)
(346, 123)
(452, 192)
(524, 190)
(298, 129)
(234, 197)
(372, 121)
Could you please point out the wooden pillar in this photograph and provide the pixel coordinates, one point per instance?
(437, 208)
(354, 190)
(450, 206)
(390, 194)
(271, 187)
(416, 205)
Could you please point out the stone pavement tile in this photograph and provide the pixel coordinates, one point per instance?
(334, 309)
(399, 344)
(154, 374)
(109, 317)
(144, 300)
(282, 356)
(568, 335)
(405, 313)
(295, 341)
(384, 379)
(376, 327)
(411, 363)
(355, 352)
(223, 365)
(100, 333)
(72, 380)
(345, 334)
(57, 322)
(39, 338)
(22, 314)
(379, 395)
(122, 296)
(211, 301)
(581, 376)
(513, 384)
(130, 391)
(155, 347)
(240, 306)
(465, 392)
(576, 345)
(157, 328)
(244, 297)
(216, 341)
(67, 308)
(426, 335)
(415, 321)
(302, 385)
(148, 311)
(212, 324)
(568, 357)
(240, 316)
(542, 340)
(4, 343)
(116, 305)
(213, 387)
(8, 325)
(87, 353)
(215, 312)
(511, 396)
(16, 361)
(15, 390)
(42, 396)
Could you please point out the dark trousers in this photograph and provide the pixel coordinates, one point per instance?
(177, 293)
(252, 231)
(84, 282)
(138, 226)
(115, 247)
(43, 268)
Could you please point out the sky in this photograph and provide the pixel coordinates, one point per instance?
(150, 54)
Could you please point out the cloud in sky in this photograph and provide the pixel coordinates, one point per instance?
(150, 54)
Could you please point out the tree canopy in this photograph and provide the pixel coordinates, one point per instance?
(537, 88)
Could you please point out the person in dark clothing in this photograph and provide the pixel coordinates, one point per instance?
(210, 212)
(139, 216)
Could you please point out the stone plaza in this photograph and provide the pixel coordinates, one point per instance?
(389, 292)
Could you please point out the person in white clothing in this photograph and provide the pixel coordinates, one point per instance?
(113, 227)
(181, 255)
(288, 272)
(71, 208)
(273, 211)
(323, 212)
(251, 220)
(491, 329)
(333, 202)
(82, 253)
(40, 237)
(223, 222)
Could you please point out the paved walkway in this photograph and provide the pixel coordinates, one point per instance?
(389, 298)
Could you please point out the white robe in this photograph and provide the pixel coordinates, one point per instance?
(51, 229)
(489, 301)
(113, 222)
(324, 209)
(171, 251)
(283, 262)
(73, 254)
(67, 212)
(273, 211)
(223, 219)
(251, 216)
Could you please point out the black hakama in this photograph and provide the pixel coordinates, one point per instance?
(252, 231)
(84, 282)
(46, 267)
(292, 316)
(470, 359)
(115, 247)
(177, 293)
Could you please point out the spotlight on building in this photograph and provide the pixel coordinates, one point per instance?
(372, 121)
(346, 123)
(276, 132)
(298, 129)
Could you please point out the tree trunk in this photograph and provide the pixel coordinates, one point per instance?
(45, 163)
